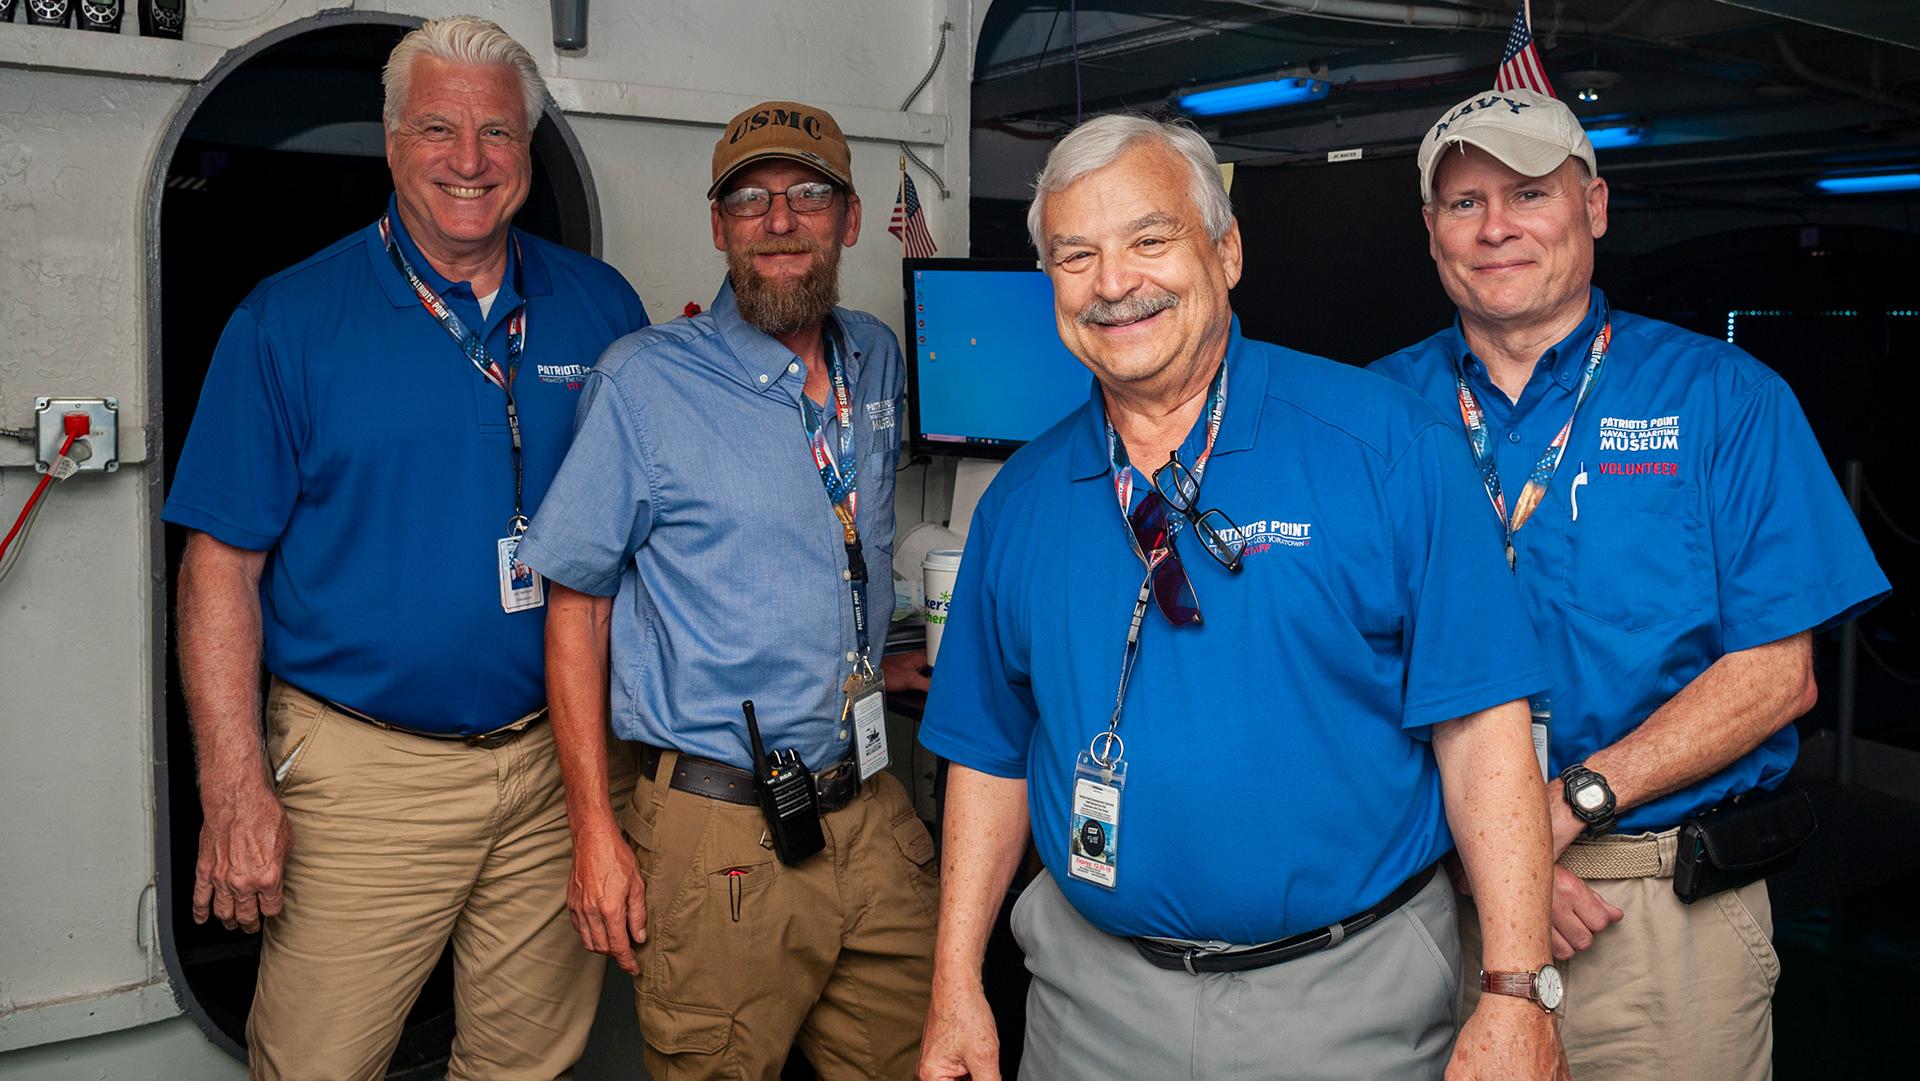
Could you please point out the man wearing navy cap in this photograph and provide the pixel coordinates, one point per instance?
(376, 425)
(1240, 811)
(1677, 536)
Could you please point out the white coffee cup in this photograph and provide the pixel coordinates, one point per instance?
(940, 567)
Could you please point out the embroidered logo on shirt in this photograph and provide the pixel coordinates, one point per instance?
(1639, 469)
(1257, 537)
(573, 375)
(1654, 433)
(880, 415)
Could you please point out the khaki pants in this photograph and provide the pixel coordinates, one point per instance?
(401, 843)
(1672, 992)
(746, 956)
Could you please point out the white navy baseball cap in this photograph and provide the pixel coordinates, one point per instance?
(1530, 133)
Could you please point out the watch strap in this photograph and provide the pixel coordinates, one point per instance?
(1517, 984)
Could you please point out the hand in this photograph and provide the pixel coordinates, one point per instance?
(243, 851)
(906, 671)
(1578, 914)
(607, 899)
(960, 1039)
(1508, 1039)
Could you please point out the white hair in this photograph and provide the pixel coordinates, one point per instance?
(461, 39)
(1099, 143)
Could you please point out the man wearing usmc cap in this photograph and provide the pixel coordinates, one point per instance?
(707, 539)
(1677, 536)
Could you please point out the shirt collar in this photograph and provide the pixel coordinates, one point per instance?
(1562, 363)
(526, 274)
(764, 362)
(1247, 372)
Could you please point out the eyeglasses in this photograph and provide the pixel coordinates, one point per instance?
(1174, 492)
(806, 197)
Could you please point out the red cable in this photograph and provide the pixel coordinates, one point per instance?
(35, 497)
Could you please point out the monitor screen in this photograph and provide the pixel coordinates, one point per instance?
(985, 368)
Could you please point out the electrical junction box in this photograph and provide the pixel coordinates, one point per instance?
(103, 435)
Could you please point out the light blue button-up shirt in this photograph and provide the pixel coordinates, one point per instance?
(690, 496)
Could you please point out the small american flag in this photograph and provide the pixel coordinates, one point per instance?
(1520, 67)
(909, 224)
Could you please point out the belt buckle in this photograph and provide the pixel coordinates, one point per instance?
(497, 738)
(1205, 948)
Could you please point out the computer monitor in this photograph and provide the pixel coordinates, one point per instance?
(985, 368)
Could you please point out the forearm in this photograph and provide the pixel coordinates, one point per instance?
(984, 836)
(220, 641)
(1491, 783)
(1725, 712)
(577, 635)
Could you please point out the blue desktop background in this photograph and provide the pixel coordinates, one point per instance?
(989, 362)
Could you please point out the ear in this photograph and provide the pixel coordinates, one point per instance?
(1231, 253)
(719, 228)
(850, 231)
(1597, 206)
(1433, 243)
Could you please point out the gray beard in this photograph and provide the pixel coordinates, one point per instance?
(782, 308)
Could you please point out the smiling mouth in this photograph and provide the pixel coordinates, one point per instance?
(459, 192)
(1125, 324)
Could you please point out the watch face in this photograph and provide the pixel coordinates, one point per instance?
(1590, 797)
(1548, 987)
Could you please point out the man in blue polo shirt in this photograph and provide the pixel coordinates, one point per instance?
(708, 540)
(376, 425)
(1240, 813)
(1677, 536)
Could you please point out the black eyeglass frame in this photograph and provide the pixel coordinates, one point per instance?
(1202, 521)
(790, 191)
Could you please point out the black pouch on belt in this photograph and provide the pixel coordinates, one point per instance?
(1750, 836)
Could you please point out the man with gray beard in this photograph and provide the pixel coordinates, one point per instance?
(707, 540)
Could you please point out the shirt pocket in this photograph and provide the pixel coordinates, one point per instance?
(1636, 557)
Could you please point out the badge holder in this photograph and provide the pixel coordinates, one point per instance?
(866, 706)
(521, 587)
(1541, 709)
(1093, 834)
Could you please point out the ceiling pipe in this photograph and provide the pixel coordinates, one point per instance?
(1380, 13)
(1839, 86)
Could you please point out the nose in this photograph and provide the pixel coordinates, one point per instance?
(1498, 225)
(469, 158)
(1117, 278)
(780, 218)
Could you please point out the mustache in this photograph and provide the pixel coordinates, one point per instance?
(785, 245)
(1129, 310)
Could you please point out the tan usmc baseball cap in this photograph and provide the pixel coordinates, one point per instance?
(782, 129)
(1530, 133)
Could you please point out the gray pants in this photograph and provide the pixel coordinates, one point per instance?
(1382, 1004)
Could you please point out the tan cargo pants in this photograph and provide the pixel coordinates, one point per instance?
(746, 956)
(1672, 991)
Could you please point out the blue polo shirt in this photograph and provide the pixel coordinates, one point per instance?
(342, 431)
(690, 496)
(1279, 771)
(1692, 516)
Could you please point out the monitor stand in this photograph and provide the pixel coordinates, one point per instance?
(970, 479)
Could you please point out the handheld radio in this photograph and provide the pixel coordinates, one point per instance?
(787, 798)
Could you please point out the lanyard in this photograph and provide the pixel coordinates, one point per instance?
(1107, 747)
(840, 475)
(1541, 478)
(477, 354)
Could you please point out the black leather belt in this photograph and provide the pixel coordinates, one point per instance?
(498, 737)
(837, 785)
(1195, 959)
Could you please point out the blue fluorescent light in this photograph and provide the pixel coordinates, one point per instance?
(1248, 97)
(1618, 137)
(1862, 185)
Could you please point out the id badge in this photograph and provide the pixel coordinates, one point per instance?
(1542, 710)
(867, 705)
(1093, 833)
(521, 587)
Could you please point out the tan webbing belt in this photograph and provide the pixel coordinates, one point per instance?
(1637, 857)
